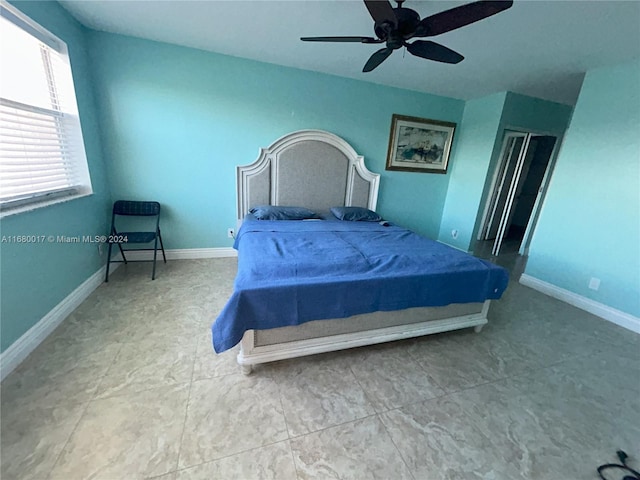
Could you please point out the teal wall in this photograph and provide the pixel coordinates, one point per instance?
(36, 277)
(176, 122)
(476, 143)
(522, 112)
(589, 225)
(535, 115)
(484, 123)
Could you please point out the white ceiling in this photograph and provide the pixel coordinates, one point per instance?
(538, 48)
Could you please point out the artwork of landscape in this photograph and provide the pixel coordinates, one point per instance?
(419, 145)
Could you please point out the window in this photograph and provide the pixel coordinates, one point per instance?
(42, 156)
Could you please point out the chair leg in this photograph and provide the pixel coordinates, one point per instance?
(155, 254)
(108, 262)
(162, 247)
(122, 252)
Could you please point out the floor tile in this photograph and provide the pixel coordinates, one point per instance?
(229, 415)
(80, 331)
(129, 436)
(353, 451)
(544, 392)
(319, 392)
(548, 330)
(57, 378)
(166, 476)
(390, 377)
(463, 359)
(534, 439)
(438, 440)
(33, 436)
(147, 364)
(209, 364)
(595, 399)
(179, 321)
(272, 462)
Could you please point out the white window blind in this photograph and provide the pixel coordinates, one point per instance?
(42, 154)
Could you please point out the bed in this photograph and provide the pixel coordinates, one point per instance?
(314, 285)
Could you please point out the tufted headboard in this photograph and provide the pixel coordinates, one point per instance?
(309, 168)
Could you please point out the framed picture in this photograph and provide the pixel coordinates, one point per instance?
(419, 145)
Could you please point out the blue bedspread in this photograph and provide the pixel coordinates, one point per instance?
(291, 272)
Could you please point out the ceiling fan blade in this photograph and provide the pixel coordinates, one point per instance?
(381, 11)
(377, 58)
(342, 39)
(434, 51)
(459, 17)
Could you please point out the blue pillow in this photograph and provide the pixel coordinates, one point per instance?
(355, 214)
(275, 212)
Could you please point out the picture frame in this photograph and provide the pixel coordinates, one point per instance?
(419, 144)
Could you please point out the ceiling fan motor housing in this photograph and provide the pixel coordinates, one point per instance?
(408, 21)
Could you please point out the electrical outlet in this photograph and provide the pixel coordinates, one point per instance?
(231, 233)
(454, 233)
(594, 283)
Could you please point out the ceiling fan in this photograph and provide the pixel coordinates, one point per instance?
(395, 26)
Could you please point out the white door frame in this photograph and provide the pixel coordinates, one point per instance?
(509, 129)
(506, 213)
(499, 171)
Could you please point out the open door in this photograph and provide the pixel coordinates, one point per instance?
(512, 148)
(530, 196)
(522, 166)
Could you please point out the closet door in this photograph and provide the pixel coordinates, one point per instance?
(509, 187)
(511, 150)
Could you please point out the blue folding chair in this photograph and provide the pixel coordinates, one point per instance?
(135, 209)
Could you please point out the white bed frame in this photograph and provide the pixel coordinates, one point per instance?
(318, 170)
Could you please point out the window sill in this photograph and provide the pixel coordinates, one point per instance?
(44, 203)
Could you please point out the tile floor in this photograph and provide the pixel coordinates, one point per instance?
(128, 387)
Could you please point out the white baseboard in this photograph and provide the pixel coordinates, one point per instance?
(179, 254)
(601, 310)
(21, 348)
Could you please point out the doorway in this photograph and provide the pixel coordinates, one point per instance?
(517, 189)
